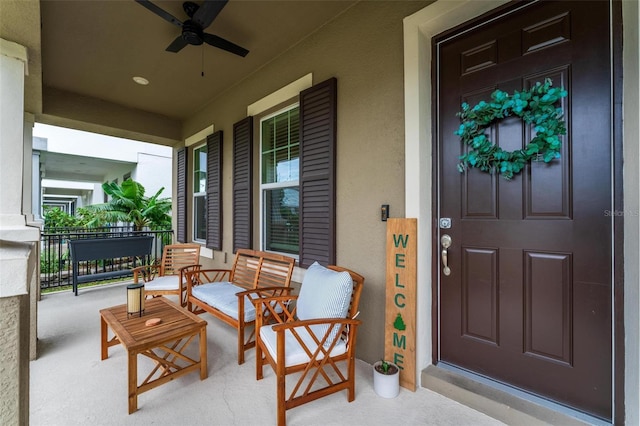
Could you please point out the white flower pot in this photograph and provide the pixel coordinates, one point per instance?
(386, 385)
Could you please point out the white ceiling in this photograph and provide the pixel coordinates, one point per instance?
(94, 48)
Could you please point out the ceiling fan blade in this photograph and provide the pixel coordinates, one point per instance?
(160, 12)
(177, 44)
(205, 15)
(223, 44)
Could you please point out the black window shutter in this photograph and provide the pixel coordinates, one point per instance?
(181, 207)
(242, 184)
(318, 174)
(214, 191)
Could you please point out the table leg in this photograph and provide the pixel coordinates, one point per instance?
(133, 380)
(104, 346)
(203, 353)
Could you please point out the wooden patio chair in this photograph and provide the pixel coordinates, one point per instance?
(168, 276)
(315, 339)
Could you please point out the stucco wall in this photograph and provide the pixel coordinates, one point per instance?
(14, 360)
(363, 50)
(152, 172)
(18, 263)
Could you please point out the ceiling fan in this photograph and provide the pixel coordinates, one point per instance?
(200, 17)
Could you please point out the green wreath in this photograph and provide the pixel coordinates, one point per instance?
(534, 106)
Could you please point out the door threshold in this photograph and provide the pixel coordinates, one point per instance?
(504, 403)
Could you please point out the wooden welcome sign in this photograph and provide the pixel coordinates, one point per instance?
(400, 311)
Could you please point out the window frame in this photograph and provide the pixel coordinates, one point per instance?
(200, 194)
(262, 187)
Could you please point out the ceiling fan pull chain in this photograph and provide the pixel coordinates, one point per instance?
(202, 72)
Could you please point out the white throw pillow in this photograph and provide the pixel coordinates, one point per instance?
(324, 294)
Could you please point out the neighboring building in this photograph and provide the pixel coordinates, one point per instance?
(71, 175)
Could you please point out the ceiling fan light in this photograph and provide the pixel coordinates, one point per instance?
(141, 80)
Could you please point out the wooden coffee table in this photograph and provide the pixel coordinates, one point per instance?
(163, 343)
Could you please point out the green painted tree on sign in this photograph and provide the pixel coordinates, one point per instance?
(399, 324)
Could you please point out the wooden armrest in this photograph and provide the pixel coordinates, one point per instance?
(266, 292)
(270, 312)
(184, 270)
(318, 321)
(194, 266)
(336, 327)
(283, 301)
(288, 297)
(214, 274)
(204, 276)
(147, 272)
(145, 268)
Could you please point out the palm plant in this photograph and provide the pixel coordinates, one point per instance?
(128, 204)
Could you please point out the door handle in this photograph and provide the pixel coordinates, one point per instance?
(445, 241)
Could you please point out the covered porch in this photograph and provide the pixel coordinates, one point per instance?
(71, 386)
(380, 53)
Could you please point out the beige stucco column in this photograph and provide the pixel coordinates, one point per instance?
(18, 243)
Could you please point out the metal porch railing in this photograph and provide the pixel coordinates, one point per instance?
(56, 271)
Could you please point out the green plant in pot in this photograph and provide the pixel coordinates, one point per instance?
(386, 367)
(386, 379)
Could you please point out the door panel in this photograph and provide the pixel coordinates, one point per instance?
(548, 306)
(528, 300)
(479, 293)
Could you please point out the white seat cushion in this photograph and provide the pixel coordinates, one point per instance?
(222, 296)
(294, 353)
(169, 282)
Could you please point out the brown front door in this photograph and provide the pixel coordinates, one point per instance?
(528, 299)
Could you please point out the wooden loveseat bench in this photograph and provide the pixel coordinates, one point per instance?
(228, 294)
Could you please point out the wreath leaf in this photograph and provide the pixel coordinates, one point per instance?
(535, 106)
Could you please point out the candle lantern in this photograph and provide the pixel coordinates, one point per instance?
(135, 300)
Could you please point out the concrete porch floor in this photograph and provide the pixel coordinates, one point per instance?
(70, 385)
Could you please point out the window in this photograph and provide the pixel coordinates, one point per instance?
(199, 193)
(280, 172)
(298, 178)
